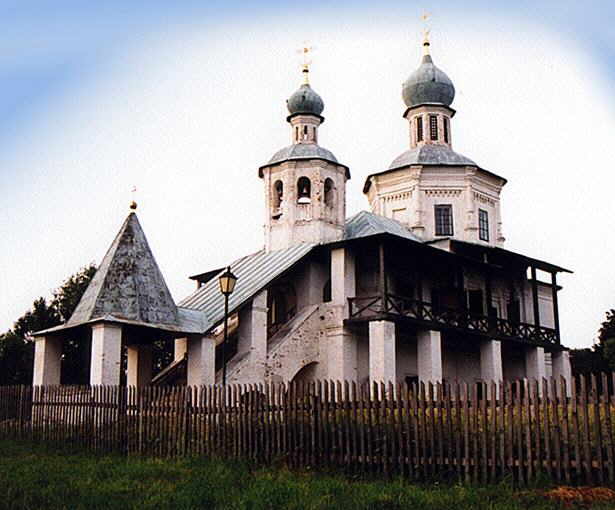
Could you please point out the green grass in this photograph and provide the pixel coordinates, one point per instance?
(36, 477)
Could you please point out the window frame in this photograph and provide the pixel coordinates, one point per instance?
(446, 129)
(483, 225)
(419, 129)
(440, 225)
(433, 128)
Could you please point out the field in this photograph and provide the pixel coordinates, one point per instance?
(35, 477)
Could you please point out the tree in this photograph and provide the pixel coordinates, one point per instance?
(17, 347)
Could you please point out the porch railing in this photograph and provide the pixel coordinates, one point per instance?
(366, 308)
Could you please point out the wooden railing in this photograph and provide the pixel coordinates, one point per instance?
(368, 308)
(484, 432)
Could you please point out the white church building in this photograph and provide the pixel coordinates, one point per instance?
(420, 287)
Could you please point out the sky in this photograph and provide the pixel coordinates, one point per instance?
(185, 100)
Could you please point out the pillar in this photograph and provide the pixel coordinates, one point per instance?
(535, 363)
(201, 360)
(106, 354)
(562, 368)
(342, 354)
(429, 355)
(382, 352)
(139, 365)
(491, 361)
(180, 348)
(342, 277)
(47, 359)
(253, 335)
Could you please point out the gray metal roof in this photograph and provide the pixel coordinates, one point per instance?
(253, 272)
(428, 84)
(129, 288)
(305, 100)
(430, 154)
(365, 224)
(128, 283)
(299, 151)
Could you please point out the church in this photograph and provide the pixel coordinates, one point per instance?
(418, 288)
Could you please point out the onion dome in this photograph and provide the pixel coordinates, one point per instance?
(305, 101)
(428, 84)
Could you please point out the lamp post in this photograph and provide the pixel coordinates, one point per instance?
(227, 281)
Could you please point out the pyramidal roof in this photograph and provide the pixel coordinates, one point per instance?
(128, 285)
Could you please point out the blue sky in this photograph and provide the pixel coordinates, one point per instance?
(98, 96)
(48, 47)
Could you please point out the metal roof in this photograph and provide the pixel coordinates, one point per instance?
(365, 224)
(301, 151)
(128, 284)
(128, 288)
(428, 84)
(253, 272)
(539, 264)
(429, 155)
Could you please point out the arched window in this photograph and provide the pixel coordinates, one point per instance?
(329, 192)
(305, 132)
(278, 194)
(304, 191)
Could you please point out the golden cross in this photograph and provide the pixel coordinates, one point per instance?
(306, 50)
(425, 17)
(133, 203)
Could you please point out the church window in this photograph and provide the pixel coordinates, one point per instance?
(444, 220)
(433, 127)
(329, 191)
(304, 192)
(305, 132)
(483, 225)
(278, 193)
(297, 133)
(446, 129)
(419, 129)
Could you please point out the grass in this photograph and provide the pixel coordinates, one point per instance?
(37, 477)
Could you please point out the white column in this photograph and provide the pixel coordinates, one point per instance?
(562, 368)
(429, 356)
(491, 360)
(535, 364)
(180, 348)
(342, 277)
(201, 360)
(139, 365)
(342, 354)
(382, 352)
(47, 360)
(106, 354)
(253, 335)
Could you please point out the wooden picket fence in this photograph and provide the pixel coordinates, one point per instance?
(478, 433)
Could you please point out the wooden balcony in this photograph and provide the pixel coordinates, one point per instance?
(391, 307)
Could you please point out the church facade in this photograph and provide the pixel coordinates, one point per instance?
(418, 288)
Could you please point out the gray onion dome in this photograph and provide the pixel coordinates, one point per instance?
(428, 84)
(306, 101)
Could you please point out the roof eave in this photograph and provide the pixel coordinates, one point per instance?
(367, 184)
(306, 158)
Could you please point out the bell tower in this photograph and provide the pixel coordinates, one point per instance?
(434, 191)
(305, 185)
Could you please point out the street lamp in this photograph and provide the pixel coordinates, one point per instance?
(227, 281)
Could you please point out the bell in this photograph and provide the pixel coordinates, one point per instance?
(304, 200)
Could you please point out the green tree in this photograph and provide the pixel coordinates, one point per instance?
(17, 347)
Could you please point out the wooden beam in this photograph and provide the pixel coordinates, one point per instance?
(535, 298)
(555, 305)
(488, 292)
(382, 282)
